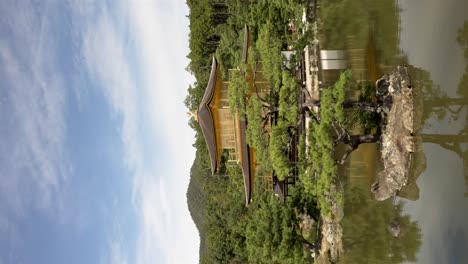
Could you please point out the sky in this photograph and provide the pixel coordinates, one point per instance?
(428, 37)
(96, 151)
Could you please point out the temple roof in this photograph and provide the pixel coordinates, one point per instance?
(280, 190)
(205, 117)
(245, 161)
(245, 47)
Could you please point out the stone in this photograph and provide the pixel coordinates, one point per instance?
(331, 228)
(397, 143)
(394, 228)
(306, 222)
(332, 232)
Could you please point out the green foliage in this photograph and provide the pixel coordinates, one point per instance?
(192, 101)
(223, 211)
(269, 48)
(257, 137)
(319, 170)
(253, 58)
(223, 164)
(304, 166)
(240, 12)
(288, 94)
(238, 89)
(272, 235)
(279, 140)
(196, 195)
(339, 94)
(267, 232)
(365, 120)
(201, 28)
(217, 203)
(230, 44)
(286, 122)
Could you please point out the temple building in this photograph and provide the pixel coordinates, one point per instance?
(225, 131)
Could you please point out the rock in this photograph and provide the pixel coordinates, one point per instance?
(394, 228)
(382, 86)
(306, 223)
(332, 232)
(331, 228)
(411, 190)
(397, 143)
(337, 212)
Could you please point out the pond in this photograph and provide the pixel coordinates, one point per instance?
(433, 208)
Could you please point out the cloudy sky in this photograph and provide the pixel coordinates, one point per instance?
(95, 152)
(428, 36)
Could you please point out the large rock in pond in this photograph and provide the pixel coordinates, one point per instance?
(397, 143)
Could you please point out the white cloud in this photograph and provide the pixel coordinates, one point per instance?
(117, 254)
(33, 96)
(161, 29)
(159, 32)
(33, 163)
(105, 59)
(34, 166)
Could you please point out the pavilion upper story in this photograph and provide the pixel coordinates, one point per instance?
(224, 130)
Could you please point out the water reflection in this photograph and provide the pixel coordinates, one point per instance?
(367, 238)
(432, 209)
(432, 106)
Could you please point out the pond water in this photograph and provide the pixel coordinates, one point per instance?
(433, 212)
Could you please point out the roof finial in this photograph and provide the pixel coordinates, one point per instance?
(192, 115)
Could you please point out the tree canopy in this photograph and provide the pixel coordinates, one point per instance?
(267, 231)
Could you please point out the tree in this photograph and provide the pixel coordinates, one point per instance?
(269, 46)
(224, 218)
(220, 12)
(229, 233)
(319, 166)
(229, 49)
(280, 139)
(194, 97)
(272, 233)
(257, 131)
(215, 202)
(238, 90)
(326, 131)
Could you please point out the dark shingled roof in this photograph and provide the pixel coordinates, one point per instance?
(246, 44)
(205, 118)
(245, 162)
(280, 189)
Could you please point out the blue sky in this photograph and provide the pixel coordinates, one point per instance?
(96, 151)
